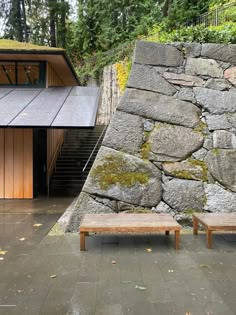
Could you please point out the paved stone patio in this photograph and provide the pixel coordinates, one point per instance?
(47, 274)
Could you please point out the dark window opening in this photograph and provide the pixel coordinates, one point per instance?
(22, 73)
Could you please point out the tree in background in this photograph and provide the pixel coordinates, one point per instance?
(37, 21)
(182, 11)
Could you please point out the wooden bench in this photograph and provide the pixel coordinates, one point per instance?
(128, 223)
(214, 222)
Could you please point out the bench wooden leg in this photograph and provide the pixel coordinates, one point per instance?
(195, 226)
(177, 237)
(167, 232)
(82, 240)
(209, 239)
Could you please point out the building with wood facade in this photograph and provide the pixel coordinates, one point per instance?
(40, 98)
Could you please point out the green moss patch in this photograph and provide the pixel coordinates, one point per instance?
(145, 150)
(203, 166)
(113, 171)
(184, 174)
(14, 45)
(201, 127)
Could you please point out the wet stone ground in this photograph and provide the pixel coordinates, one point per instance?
(46, 274)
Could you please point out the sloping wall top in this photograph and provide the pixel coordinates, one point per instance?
(171, 145)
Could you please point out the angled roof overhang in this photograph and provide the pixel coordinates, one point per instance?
(57, 57)
(59, 107)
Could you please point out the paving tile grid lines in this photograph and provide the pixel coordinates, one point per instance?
(126, 274)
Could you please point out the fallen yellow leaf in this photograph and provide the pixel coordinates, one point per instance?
(149, 250)
(3, 252)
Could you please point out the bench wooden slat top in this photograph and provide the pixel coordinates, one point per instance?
(217, 221)
(123, 222)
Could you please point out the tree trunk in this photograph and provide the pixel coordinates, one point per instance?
(24, 21)
(52, 23)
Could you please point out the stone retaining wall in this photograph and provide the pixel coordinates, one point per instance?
(171, 145)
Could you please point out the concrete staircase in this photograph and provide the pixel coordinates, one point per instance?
(68, 178)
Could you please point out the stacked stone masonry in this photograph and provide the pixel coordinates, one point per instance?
(171, 144)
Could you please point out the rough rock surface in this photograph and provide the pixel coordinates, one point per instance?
(230, 74)
(221, 164)
(149, 53)
(183, 79)
(186, 94)
(205, 67)
(192, 49)
(215, 122)
(170, 141)
(159, 107)
(124, 177)
(85, 204)
(216, 102)
(224, 140)
(217, 84)
(200, 154)
(219, 199)
(232, 119)
(184, 195)
(146, 78)
(226, 53)
(124, 132)
(191, 169)
(164, 208)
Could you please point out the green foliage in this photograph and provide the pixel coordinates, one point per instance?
(182, 11)
(214, 34)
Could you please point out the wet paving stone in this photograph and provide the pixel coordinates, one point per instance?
(116, 275)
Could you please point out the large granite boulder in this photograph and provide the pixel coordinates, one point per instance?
(147, 78)
(222, 166)
(124, 177)
(206, 67)
(173, 143)
(189, 169)
(226, 53)
(216, 102)
(149, 53)
(85, 204)
(219, 199)
(124, 132)
(159, 107)
(185, 195)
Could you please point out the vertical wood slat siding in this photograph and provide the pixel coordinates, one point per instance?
(2, 168)
(28, 163)
(52, 77)
(55, 139)
(16, 163)
(9, 166)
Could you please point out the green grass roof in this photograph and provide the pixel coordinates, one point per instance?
(7, 44)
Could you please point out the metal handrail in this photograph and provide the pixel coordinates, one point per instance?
(92, 153)
(214, 17)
